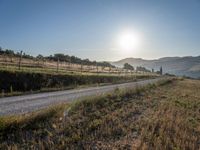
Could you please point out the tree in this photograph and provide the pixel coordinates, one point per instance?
(39, 56)
(161, 70)
(59, 56)
(128, 66)
(140, 68)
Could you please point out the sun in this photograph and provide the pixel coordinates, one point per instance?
(128, 40)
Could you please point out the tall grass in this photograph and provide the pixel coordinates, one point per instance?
(72, 126)
(11, 82)
(158, 116)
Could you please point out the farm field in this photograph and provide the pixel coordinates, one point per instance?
(164, 115)
(34, 77)
(17, 83)
(60, 67)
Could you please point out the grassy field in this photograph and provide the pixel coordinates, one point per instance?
(158, 116)
(35, 77)
(68, 71)
(9, 63)
(14, 82)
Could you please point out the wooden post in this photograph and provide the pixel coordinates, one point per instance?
(11, 58)
(97, 68)
(43, 62)
(81, 67)
(58, 65)
(5, 60)
(20, 59)
(11, 89)
(2, 93)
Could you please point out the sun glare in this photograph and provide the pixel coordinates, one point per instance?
(128, 41)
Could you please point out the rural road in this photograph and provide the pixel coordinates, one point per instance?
(29, 103)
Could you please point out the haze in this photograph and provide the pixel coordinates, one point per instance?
(90, 29)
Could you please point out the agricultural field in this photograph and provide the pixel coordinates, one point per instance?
(14, 63)
(164, 115)
(16, 83)
(34, 75)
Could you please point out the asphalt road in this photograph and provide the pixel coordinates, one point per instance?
(29, 103)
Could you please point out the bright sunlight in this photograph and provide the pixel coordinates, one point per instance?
(128, 40)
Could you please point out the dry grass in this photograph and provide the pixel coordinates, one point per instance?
(40, 66)
(175, 123)
(162, 116)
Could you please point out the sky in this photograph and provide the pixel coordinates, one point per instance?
(93, 28)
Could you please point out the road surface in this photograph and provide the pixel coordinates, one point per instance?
(29, 103)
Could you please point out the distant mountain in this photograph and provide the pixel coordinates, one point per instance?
(188, 66)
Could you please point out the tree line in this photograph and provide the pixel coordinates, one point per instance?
(140, 68)
(56, 57)
(73, 59)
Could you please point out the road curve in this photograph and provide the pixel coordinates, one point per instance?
(29, 103)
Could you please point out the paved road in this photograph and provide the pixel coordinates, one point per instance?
(29, 103)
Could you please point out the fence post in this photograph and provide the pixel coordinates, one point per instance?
(43, 62)
(11, 90)
(70, 61)
(2, 93)
(97, 68)
(20, 59)
(81, 67)
(58, 65)
(5, 57)
(11, 58)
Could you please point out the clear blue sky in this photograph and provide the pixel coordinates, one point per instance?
(87, 28)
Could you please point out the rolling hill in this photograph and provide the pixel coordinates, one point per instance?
(188, 66)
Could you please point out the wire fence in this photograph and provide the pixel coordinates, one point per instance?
(20, 63)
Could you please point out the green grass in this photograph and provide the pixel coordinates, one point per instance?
(158, 116)
(22, 82)
(19, 82)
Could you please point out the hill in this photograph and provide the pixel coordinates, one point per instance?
(188, 66)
